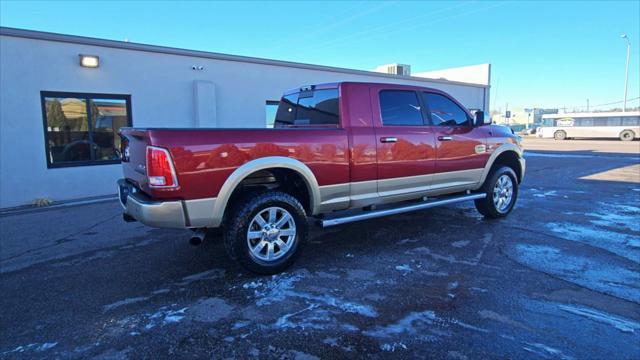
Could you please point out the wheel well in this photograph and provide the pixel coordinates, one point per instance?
(510, 159)
(282, 179)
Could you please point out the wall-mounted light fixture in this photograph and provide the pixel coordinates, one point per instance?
(89, 61)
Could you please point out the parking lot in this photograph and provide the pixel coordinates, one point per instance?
(558, 279)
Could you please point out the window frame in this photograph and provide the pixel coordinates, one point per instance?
(420, 102)
(427, 108)
(87, 97)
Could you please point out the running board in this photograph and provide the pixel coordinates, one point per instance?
(325, 223)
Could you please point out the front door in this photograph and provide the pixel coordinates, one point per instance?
(461, 147)
(406, 153)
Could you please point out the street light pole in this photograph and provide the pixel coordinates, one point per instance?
(626, 71)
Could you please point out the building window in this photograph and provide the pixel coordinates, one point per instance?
(82, 129)
(271, 108)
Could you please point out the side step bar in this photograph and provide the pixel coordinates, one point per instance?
(325, 223)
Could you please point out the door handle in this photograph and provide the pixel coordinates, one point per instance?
(388, 139)
(445, 138)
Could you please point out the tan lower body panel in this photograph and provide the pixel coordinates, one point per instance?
(365, 193)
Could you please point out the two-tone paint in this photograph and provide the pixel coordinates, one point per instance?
(345, 166)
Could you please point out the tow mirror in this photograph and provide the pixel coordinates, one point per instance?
(478, 118)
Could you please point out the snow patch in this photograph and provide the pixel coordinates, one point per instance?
(621, 324)
(32, 347)
(405, 269)
(205, 275)
(127, 301)
(545, 351)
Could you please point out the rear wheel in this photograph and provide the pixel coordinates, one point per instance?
(501, 188)
(627, 135)
(560, 135)
(266, 232)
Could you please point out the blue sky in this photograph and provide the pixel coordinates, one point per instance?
(543, 54)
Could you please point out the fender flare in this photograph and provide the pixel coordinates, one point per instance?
(269, 162)
(497, 152)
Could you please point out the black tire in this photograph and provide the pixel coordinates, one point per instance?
(242, 215)
(487, 207)
(560, 135)
(627, 135)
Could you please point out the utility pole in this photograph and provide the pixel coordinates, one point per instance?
(587, 105)
(626, 71)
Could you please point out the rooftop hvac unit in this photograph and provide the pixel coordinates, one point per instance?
(396, 69)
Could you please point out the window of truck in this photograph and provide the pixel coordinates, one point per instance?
(309, 108)
(400, 107)
(445, 112)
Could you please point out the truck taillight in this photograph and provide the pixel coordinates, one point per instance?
(160, 171)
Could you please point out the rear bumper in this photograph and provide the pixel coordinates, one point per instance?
(165, 214)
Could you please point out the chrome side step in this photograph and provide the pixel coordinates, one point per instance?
(325, 223)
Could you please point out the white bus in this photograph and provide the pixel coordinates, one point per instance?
(622, 125)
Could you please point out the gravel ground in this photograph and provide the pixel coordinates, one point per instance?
(558, 279)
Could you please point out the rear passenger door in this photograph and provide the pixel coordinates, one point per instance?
(460, 147)
(405, 145)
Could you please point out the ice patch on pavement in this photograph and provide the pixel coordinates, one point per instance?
(619, 323)
(205, 275)
(210, 310)
(460, 243)
(405, 269)
(31, 347)
(610, 276)
(127, 301)
(281, 287)
(413, 324)
(545, 351)
(615, 242)
(393, 347)
(543, 194)
(406, 241)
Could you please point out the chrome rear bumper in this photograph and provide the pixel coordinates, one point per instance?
(165, 214)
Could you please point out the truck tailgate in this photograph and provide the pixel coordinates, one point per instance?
(134, 145)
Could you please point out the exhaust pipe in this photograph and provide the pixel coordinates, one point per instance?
(198, 237)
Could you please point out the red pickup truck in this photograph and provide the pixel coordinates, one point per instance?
(382, 149)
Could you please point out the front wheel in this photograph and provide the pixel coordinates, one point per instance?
(266, 232)
(502, 192)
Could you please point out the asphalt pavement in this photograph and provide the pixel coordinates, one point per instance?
(558, 279)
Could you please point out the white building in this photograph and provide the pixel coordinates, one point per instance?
(48, 147)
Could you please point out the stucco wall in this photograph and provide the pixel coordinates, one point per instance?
(165, 92)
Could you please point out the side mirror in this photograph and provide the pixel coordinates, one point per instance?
(478, 118)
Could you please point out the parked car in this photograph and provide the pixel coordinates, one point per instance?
(381, 148)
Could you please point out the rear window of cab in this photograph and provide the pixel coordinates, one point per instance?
(309, 108)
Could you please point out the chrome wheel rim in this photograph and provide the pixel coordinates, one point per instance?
(503, 193)
(271, 234)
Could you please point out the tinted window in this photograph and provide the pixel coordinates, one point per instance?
(584, 122)
(601, 121)
(286, 113)
(400, 108)
(445, 112)
(82, 129)
(308, 108)
(631, 121)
